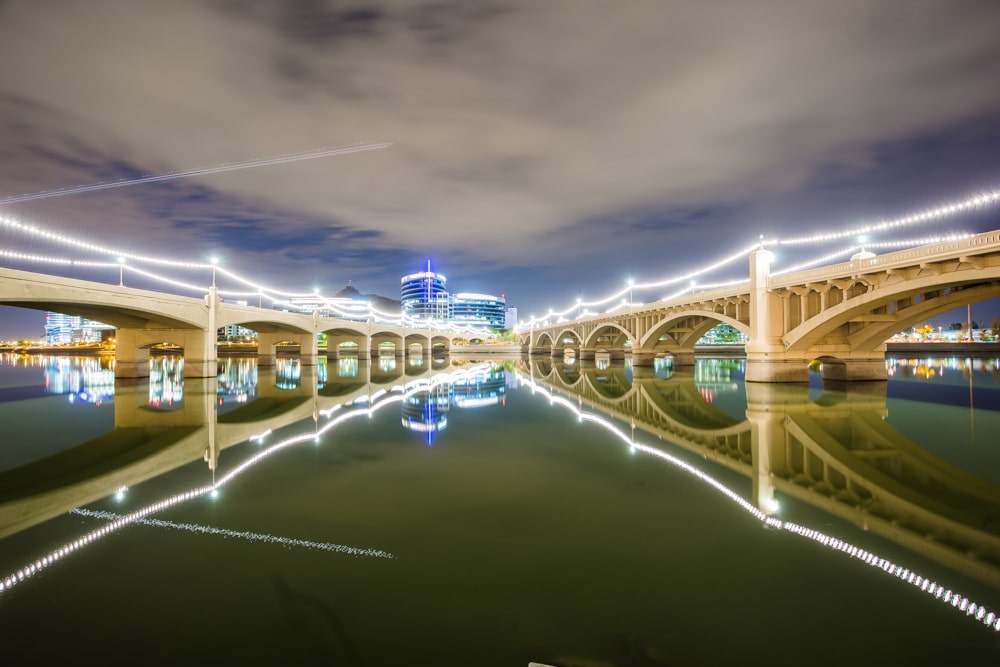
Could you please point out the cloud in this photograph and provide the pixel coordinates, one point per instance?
(523, 131)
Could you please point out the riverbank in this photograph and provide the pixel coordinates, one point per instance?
(971, 349)
(242, 350)
(60, 350)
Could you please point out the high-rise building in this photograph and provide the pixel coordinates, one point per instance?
(424, 295)
(510, 318)
(478, 310)
(61, 329)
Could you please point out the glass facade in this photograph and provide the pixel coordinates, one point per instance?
(424, 295)
(479, 310)
(62, 329)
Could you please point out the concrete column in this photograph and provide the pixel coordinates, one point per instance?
(586, 354)
(616, 355)
(683, 357)
(131, 360)
(265, 348)
(132, 351)
(200, 360)
(207, 363)
(308, 348)
(643, 359)
(766, 357)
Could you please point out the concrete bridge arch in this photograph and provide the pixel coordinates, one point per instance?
(677, 333)
(866, 320)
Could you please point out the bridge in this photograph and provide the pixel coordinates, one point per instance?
(146, 319)
(840, 314)
(835, 453)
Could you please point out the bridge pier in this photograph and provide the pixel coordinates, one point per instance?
(855, 370)
(267, 347)
(761, 368)
(132, 349)
(587, 354)
(683, 357)
(131, 361)
(641, 359)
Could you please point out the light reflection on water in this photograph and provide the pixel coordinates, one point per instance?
(705, 412)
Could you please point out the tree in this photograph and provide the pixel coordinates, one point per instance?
(924, 331)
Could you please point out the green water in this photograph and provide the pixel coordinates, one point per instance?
(524, 517)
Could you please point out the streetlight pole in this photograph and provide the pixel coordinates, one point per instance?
(121, 272)
(630, 284)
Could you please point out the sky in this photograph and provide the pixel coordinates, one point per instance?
(546, 151)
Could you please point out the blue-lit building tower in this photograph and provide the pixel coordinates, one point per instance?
(424, 295)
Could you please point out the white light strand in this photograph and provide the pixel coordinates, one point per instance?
(93, 247)
(818, 260)
(35, 567)
(979, 200)
(975, 201)
(65, 261)
(972, 609)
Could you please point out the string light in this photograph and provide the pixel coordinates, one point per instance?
(420, 384)
(989, 198)
(972, 609)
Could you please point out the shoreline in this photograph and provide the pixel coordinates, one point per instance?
(972, 349)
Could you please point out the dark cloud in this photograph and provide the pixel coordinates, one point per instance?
(532, 140)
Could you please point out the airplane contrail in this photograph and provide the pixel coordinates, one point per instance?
(232, 166)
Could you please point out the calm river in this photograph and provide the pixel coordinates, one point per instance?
(451, 512)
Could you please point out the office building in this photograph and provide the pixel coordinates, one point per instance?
(478, 310)
(63, 329)
(424, 295)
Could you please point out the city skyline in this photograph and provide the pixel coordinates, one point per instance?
(546, 151)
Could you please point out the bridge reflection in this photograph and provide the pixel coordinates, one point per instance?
(835, 452)
(169, 422)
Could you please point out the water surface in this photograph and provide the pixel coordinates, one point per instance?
(448, 512)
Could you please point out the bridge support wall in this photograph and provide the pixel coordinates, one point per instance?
(766, 361)
(683, 357)
(133, 346)
(267, 347)
(643, 359)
